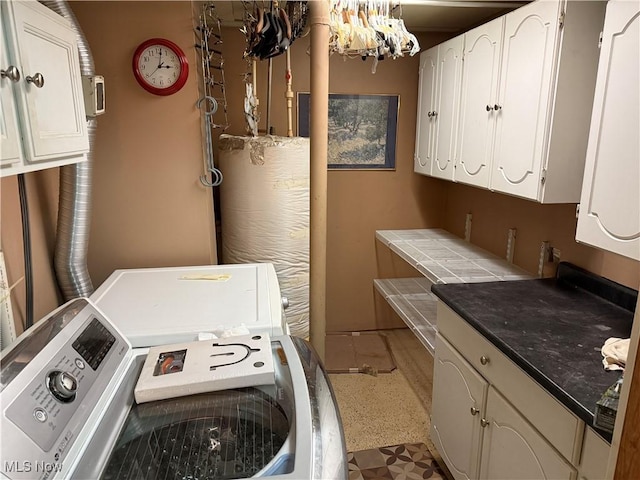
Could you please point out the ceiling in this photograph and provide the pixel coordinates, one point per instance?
(418, 15)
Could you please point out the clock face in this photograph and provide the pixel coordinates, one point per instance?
(160, 66)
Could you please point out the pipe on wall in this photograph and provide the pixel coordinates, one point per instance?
(74, 203)
(318, 133)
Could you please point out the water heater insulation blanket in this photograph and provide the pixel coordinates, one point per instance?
(264, 204)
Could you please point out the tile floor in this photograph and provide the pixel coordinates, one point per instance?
(397, 462)
(390, 409)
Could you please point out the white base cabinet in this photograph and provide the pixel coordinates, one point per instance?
(609, 215)
(479, 434)
(514, 450)
(456, 411)
(43, 117)
(490, 420)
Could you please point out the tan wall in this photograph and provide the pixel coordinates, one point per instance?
(42, 197)
(149, 208)
(494, 214)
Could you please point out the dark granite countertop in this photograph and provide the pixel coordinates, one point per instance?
(551, 328)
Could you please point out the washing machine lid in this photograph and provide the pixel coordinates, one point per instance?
(156, 306)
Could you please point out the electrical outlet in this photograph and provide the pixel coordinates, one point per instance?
(511, 244)
(467, 227)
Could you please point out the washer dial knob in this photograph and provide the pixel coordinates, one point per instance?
(62, 385)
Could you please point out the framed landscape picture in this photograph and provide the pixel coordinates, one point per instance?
(362, 130)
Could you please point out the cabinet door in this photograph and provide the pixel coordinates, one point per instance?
(53, 120)
(426, 99)
(528, 53)
(10, 152)
(449, 74)
(513, 450)
(610, 203)
(455, 428)
(480, 73)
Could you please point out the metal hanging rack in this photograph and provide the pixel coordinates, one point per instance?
(213, 99)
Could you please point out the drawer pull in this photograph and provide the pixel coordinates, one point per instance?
(474, 411)
(484, 360)
(484, 422)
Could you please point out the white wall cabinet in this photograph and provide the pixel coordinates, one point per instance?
(609, 215)
(438, 109)
(524, 113)
(425, 126)
(42, 88)
(479, 97)
(547, 79)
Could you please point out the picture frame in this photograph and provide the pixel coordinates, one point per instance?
(362, 130)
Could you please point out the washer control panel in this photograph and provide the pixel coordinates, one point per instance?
(50, 400)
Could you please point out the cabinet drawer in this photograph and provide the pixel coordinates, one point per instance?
(552, 419)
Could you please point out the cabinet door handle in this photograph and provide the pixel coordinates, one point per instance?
(429, 114)
(474, 411)
(484, 422)
(484, 360)
(489, 108)
(435, 114)
(497, 107)
(12, 73)
(37, 80)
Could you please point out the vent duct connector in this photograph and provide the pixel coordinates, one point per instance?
(74, 204)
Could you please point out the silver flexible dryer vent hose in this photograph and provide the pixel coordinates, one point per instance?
(74, 204)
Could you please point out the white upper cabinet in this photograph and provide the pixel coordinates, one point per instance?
(449, 76)
(10, 152)
(609, 215)
(547, 80)
(425, 126)
(525, 101)
(47, 87)
(438, 105)
(524, 93)
(479, 97)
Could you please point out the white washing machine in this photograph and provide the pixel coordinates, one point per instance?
(68, 411)
(156, 306)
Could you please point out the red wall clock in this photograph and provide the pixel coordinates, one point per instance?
(160, 66)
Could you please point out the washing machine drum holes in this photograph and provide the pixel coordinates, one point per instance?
(220, 435)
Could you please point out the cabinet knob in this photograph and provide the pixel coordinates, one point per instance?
(489, 108)
(497, 107)
(12, 73)
(435, 114)
(484, 360)
(429, 114)
(474, 411)
(484, 422)
(37, 80)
